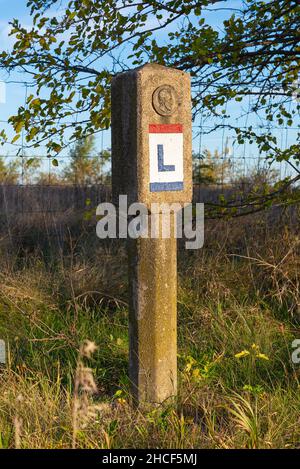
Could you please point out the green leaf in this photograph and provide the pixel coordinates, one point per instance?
(30, 161)
(19, 126)
(16, 137)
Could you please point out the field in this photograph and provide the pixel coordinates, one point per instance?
(62, 290)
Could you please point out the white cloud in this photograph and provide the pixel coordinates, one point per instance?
(6, 41)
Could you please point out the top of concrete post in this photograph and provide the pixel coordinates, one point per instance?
(152, 135)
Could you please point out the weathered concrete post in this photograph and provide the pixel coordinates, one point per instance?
(151, 163)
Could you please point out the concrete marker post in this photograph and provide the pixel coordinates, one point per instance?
(152, 163)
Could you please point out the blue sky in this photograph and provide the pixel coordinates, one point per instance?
(15, 93)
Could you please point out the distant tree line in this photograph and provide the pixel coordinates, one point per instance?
(86, 167)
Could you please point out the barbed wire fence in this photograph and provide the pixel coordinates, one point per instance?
(43, 189)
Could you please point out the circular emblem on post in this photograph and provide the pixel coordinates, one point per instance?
(164, 100)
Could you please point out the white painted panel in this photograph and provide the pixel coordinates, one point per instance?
(173, 155)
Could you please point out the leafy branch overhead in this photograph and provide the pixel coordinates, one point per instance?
(74, 47)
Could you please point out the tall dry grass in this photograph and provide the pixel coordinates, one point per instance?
(238, 313)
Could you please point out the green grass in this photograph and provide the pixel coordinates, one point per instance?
(237, 318)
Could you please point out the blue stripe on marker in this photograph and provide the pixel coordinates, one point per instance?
(161, 166)
(166, 186)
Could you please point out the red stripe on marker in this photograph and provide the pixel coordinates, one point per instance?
(165, 128)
